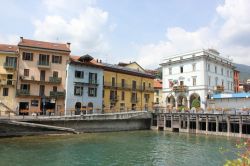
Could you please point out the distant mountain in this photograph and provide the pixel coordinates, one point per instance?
(244, 71)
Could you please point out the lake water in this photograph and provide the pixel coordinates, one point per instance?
(116, 148)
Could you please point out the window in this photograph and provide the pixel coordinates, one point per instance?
(123, 83)
(9, 79)
(208, 67)
(181, 83)
(227, 73)
(149, 85)
(55, 74)
(54, 88)
(146, 97)
(43, 60)
(194, 81)
(181, 69)
(42, 90)
(28, 56)
(215, 69)
(134, 85)
(92, 92)
(228, 85)
(157, 92)
(216, 81)
(5, 91)
(56, 59)
(25, 87)
(10, 61)
(26, 72)
(79, 74)
(170, 71)
(123, 95)
(194, 67)
(113, 81)
(157, 100)
(93, 78)
(113, 95)
(209, 80)
(78, 90)
(222, 82)
(222, 71)
(144, 85)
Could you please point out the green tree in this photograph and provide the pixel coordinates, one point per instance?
(195, 103)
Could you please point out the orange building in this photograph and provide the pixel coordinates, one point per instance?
(236, 80)
(41, 76)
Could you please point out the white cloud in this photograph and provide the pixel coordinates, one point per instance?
(229, 33)
(9, 39)
(85, 29)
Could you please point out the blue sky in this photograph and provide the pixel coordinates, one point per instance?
(145, 31)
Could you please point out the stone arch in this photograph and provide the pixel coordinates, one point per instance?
(192, 97)
(170, 101)
(78, 106)
(182, 101)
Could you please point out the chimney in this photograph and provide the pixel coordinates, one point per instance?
(21, 39)
(100, 61)
(97, 60)
(68, 45)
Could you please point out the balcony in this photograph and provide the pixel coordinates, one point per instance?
(124, 86)
(114, 99)
(219, 89)
(10, 66)
(43, 64)
(149, 89)
(22, 92)
(56, 80)
(109, 85)
(57, 94)
(7, 82)
(93, 83)
(134, 100)
(180, 88)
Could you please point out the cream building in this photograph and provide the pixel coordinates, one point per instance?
(8, 62)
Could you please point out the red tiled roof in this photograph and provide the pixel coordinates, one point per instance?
(43, 45)
(157, 83)
(8, 48)
(93, 62)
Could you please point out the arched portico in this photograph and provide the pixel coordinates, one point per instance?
(170, 101)
(194, 96)
(182, 101)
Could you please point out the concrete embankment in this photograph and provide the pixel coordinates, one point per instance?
(76, 124)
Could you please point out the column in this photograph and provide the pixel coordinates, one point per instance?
(179, 121)
(240, 125)
(197, 124)
(188, 104)
(228, 125)
(164, 122)
(172, 119)
(188, 123)
(206, 124)
(217, 124)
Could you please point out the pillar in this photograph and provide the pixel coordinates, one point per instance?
(240, 125)
(228, 125)
(179, 121)
(164, 123)
(197, 124)
(188, 104)
(206, 124)
(217, 124)
(172, 121)
(188, 123)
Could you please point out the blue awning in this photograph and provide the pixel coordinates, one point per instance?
(230, 95)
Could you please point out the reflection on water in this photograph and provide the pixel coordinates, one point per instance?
(116, 148)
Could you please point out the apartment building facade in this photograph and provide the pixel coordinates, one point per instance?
(196, 75)
(41, 76)
(158, 99)
(127, 88)
(84, 86)
(8, 63)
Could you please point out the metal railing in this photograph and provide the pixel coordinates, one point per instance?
(57, 80)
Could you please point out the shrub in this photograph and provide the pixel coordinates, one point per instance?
(195, 103)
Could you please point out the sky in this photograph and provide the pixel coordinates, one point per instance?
(144, 31)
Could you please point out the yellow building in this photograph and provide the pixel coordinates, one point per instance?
(41, 76)
(127, 88)
(8, 59)
(158, 99)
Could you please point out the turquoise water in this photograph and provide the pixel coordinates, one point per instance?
(116, 148)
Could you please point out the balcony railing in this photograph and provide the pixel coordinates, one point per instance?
(219, 88)
(56, 80)
(9, 65)
(57, 94)
(134, 100)
(180, 88)
(22, 92)
(114, 99)
(43, 64)
(7, 82)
